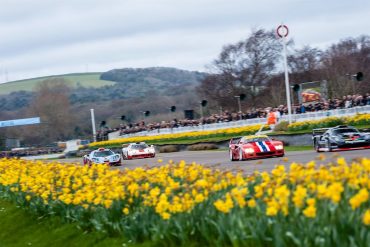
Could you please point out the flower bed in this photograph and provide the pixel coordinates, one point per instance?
(360, 119)
(194, 135)
(307, 205)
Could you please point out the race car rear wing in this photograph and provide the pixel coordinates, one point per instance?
(319, 132)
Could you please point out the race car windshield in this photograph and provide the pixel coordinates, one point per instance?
(103, 153)
(139, 146)
(257, 139)
(343, 131)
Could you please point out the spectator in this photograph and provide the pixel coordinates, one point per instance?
(302, 109)
(271, 119)
(277, 115)
(348, 102)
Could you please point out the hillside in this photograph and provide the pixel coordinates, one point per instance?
(116, 84)
(161, 80)
(73, 80)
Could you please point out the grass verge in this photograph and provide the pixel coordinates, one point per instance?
(298, 148)
(19, 228)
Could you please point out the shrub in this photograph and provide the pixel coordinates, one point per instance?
(202, 146)
(282, 126)
(169, 149)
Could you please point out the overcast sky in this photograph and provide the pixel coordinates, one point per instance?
(48, 37)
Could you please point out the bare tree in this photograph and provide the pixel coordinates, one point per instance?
(274, 93)
(243, 67)
(305, 64)
(52, 105)
(342, 60)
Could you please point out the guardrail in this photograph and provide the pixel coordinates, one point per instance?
(240, 123)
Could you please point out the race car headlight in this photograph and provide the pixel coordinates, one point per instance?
(279, 147)
(249, 150)
(96, 160)
(116, 157)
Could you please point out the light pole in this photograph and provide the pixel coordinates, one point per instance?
(93, 124)
(239, 104)
(283, 31)
(203, 103)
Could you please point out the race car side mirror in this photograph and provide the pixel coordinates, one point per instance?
(152, 146)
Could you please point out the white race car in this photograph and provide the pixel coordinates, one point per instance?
(102, 156)
(138, 150)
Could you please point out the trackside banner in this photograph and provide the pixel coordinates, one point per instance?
(18, 122)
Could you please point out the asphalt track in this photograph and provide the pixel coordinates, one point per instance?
(220, 159)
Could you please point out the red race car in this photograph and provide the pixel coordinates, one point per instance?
(254, 147)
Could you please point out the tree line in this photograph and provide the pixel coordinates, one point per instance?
(253, 67)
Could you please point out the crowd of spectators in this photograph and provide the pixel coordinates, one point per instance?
(226, 116)
(348, 101)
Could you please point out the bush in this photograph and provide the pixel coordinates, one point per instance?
(169, 149)
(202, 146)
(282, 126)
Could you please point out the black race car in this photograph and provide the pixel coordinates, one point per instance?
(339, 138)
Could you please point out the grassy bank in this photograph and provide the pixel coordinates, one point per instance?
(20, 228)
(72, 80)
(298, 148)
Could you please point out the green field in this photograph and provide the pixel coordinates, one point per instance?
(72, 80)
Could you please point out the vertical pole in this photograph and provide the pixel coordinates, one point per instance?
(239, 104)
(287, 88)
(201, 110)
(93, 124)
(300, 95)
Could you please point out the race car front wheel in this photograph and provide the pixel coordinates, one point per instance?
(124, 156)
(316, 146)
(328, 144)
(241, 154)
(231, 155)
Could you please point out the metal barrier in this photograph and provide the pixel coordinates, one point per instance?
(296, 117)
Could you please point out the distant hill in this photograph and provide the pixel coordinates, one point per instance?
(116, 84)
(73, 80)
(162, 80)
